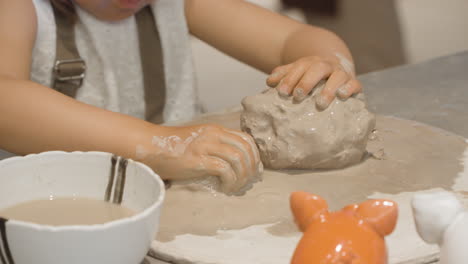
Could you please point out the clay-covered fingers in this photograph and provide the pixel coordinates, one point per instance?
(236, 160)
(352, 87)
(314, 74)
(236, 149)
(216, 166)
(255, 162)
(336, 80)
(277, 75)
(302, 76)
(290, 80)
(250, 156)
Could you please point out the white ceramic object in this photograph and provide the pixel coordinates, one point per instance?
(80, 174)
(440, 219)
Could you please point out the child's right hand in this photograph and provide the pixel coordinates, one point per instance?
(208, 150)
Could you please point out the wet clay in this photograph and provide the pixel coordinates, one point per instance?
(405, 156)
(292, 135)
(66, 211)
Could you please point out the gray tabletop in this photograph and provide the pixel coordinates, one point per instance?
(434, 92)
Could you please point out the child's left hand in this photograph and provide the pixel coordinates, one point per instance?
(300, 77)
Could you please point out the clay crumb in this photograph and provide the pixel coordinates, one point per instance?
(379, 154)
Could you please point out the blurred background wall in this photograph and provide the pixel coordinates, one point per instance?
(380, 34)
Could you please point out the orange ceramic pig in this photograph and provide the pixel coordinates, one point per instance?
(354, 235)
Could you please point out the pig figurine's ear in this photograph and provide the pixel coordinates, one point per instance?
(306, 207)
(381, 214)
(433, 213)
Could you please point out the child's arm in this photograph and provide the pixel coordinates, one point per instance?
(297, 55)
(35, 118)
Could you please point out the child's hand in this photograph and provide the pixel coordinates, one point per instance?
(300, 77)
(209, 150)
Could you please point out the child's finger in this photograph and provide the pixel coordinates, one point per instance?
(256, 155)
(327, 95)
(248, 157)
(289, 81)
(353, 86)
(216, 166)
(310, 79)
(236, 160)
(277, 74)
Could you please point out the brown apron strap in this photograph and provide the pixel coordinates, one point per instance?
(152, 65)
(69, 69)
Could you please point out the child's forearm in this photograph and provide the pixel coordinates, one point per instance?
(259, 37)
(34, 118)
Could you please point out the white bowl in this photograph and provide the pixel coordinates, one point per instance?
(78, 174)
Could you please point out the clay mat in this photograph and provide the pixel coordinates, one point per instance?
(407, 157)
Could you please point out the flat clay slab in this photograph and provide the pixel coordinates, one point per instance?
(405, 157)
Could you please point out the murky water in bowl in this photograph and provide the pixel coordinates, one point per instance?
(66, 211)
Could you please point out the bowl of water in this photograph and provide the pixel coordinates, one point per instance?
(77, 207)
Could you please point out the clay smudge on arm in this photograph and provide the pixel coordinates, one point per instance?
(141, 152)
(347, 65)
(174, 144)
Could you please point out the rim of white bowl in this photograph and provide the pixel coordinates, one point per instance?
(137, 217)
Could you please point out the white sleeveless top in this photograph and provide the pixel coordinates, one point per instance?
(114, 78)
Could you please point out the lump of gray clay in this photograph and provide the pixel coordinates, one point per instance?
(296, 135)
